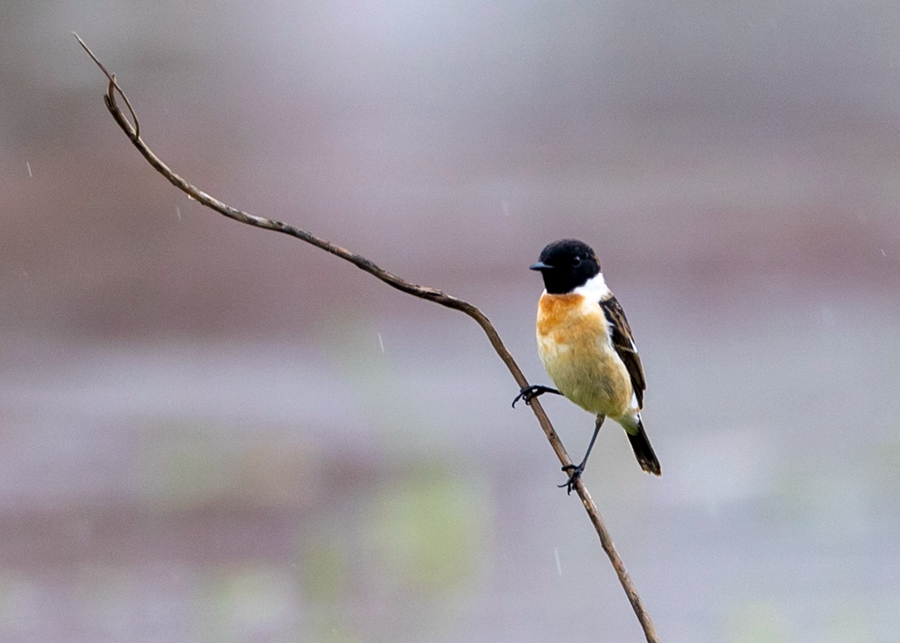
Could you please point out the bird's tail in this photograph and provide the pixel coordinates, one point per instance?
(643, 451)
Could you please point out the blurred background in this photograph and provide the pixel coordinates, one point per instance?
(213, 433)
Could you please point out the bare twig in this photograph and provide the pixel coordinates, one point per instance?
(423, 292)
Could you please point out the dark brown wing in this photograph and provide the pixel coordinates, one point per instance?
(624, 344)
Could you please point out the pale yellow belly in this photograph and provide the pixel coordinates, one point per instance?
(583, 366)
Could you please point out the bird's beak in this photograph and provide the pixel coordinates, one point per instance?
(540, 265)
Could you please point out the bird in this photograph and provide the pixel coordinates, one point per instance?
(587, 349)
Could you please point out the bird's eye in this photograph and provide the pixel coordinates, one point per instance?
(576, 261)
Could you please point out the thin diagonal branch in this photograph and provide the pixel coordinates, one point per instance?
(422, 292)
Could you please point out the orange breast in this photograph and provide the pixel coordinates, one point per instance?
(573, 344)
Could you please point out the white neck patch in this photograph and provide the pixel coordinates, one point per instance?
(595, 289)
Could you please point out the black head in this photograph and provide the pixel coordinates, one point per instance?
(566, 265)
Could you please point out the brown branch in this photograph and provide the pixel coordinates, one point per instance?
(423, 292)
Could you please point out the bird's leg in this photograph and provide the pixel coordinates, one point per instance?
(528, 393)
(575, 471)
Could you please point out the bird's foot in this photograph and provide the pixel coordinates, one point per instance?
(528, 393)
(574, 472)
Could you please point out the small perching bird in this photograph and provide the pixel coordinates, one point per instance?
(586, 346)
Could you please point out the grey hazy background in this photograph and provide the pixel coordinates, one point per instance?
(211, 433)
